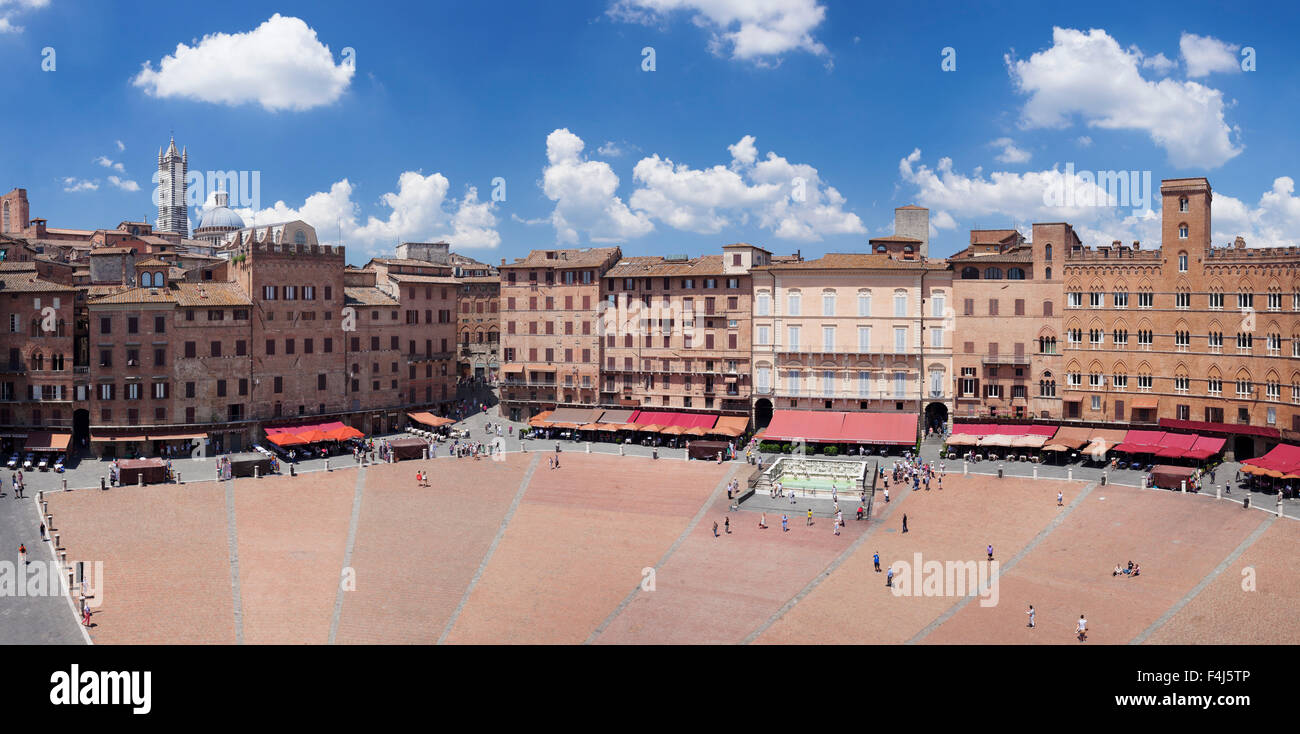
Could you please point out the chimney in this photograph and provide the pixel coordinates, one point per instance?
(1240, 243)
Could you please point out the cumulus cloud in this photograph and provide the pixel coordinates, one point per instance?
(1159, 63)
(1002, 198)
(280, 65)
(584, 194)
(72, 183)
(1087, 74)
(418, 211)
(1273, 220)
(1204, 55)
(759, 32)
(1084, 141)
(11, 8)
(788, 199)
(1010, 153)
(120, 146)
(124, 184)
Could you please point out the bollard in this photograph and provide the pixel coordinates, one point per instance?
(65, 484)
(999, 471)
(102, 484)
(1069, 473)
(139, 479)
(965, 468)
(620, 449)
(1182, 486)
(40, 495)
(257, 472)
(1103, 479)
(589, 447)
(45, 507)
(1218, 491)
(56, 539)
(293, 470)
(327, 465)
(178, 478)
(1035, 472)
(1279, 506)
(426, 453)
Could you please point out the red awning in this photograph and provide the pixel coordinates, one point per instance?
(1229, 428)
(898, 429)
(1283, 457)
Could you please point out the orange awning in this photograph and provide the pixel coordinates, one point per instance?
(512, 368)
(429, 419)
(286, 439)
(1146, 402)
(539, 420)
(46, 441)
(651, 428)
(674, 430)
(590, 427)
(730, 425)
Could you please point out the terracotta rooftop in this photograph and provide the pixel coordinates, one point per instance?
(25, 282)
(152, 262)
(181, 294)
(590, 257)
(895, 238)
(857, 261)
(991, 236)
(429, 279)
(367, 297)
(649, 266)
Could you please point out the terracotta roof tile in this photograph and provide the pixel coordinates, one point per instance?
(367, 297)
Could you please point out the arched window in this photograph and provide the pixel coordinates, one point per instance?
(1049, 273)
(881, 249)
(993, 273)
(158, 279)
(970, 273)
(300, 237)
(146, 280)
(1015, 274)
(1182, 231)
(1182, 256)
(38, 361)
(1047, 251)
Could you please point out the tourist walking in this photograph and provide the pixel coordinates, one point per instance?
(726, 522)
(715, 528)
(810, 520)
(785, 524)
(1081, 629)
(1031, 614)
(22, 554)
(875, 558)
(889, 577)
(1060, 499)
(905, 522)
(990, 551)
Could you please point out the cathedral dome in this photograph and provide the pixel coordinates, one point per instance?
(219, 215)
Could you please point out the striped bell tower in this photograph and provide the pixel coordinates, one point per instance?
(173, 213)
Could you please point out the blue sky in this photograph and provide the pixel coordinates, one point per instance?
(797, 126)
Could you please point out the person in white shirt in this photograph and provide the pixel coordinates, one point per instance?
(1082, 628)
(1031, 616)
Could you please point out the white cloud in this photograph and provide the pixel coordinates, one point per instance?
(108, 163)
(751, 31)
(1159, 63)
(1087, 74)
(124, 184)
(120, 146)
(11, 8)
(788, 199)
(1010, 153)
(584, 195)
(1274, 220)
(1084, 141)
(418, 211)
(280, 65)
(1002, 198)
(72, 183)
(1204, 55)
